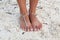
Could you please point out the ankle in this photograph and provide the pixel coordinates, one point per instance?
(24, 15)
(32, 17)
(32, 14)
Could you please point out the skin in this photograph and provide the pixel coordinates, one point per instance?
(31, 20)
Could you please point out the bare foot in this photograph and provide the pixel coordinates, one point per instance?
(35, 23)
(25, 23)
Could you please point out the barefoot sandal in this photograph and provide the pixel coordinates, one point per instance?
(34, 14)
(24, 18)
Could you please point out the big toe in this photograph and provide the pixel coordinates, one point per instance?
(39, 26)
(28, 28)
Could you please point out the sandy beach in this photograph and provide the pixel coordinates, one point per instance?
(48, 12)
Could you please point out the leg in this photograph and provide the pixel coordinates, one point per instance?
(35, 23)
(33, 5)
(22, 6)
(24, 20)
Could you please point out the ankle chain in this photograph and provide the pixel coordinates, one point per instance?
(24, 18)
(24, 15)
(33, 14)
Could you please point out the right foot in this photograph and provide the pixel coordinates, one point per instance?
(25, 23)
(36, 24)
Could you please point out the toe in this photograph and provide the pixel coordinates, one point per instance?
(22, 27)
(34, 28)
(26, 29)
(30, 28)
(39, 27)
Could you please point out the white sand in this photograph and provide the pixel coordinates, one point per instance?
(49, 15)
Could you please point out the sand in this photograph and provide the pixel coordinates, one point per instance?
(48, 12)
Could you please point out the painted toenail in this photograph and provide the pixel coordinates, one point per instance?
(35, 29)
(31, 29)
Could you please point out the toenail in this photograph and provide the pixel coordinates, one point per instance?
(31, 29)
(35, 29)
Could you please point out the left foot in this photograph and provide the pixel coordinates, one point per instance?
(35, 23)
